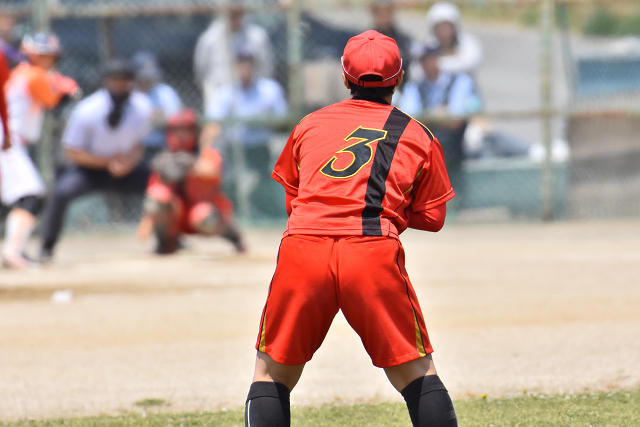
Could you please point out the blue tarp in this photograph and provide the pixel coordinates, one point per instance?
(607, 75)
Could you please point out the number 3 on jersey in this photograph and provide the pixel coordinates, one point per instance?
(361, 151)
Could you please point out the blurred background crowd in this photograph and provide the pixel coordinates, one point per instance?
(534, 103)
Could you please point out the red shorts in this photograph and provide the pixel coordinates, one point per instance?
(364, 277)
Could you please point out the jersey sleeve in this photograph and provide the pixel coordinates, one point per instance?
(432, 187)
(287, 171)
(43, 91)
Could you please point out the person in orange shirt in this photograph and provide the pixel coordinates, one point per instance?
(33, 87)
(184, 195)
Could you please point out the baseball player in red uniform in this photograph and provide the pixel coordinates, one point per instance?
(184, 195)
(356, 174)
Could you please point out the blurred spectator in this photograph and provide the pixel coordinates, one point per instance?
(446, 99)
(461, 51)
(164, 99)
(383, 12)
(251, 98)
(103, 139)
(214, 51)
(439, 92)
(33, 87)
(483, 142)
(184, 195)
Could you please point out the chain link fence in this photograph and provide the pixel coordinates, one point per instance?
(559, 83)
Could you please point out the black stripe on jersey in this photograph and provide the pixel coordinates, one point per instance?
(376, 187)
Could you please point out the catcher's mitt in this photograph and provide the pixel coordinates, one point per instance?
(173, 167)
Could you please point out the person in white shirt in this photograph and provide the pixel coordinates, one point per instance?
(213, 61)
(103, 139)
(461, 51)
(251, 98)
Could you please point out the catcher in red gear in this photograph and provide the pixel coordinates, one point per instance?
(184, 195)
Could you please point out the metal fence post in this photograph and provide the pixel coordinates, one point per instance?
(40, 21)
(546, 54)
(40, 15)
(294, 55)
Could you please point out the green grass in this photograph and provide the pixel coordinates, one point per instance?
(590, 409)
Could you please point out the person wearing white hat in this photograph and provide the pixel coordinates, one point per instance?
(213, 59)
(461, 51)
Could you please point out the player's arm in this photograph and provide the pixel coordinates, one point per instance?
(215, 112)
(431, 191)
(287, 171)
(122, 164)
(288, 199)
(48, 90)
(86, 159)
(209, 164)
(431, 219)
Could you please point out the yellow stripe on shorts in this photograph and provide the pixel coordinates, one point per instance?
(419, 342)
(263, 345)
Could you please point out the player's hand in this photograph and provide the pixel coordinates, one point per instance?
(206, 169)
(6, 143)
(66, 85)
(119, 166)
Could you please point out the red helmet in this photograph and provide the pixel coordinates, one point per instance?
(182, 131)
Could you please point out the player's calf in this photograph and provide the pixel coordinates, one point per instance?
(165, 224)
(267, 405)
(19, 225)
(429, 403)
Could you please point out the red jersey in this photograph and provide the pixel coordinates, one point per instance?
(356, 167)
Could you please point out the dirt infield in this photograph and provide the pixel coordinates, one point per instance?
(547, 308)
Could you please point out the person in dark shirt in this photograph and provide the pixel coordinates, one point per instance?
(383, 12)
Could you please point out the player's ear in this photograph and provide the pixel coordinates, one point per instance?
(400, 79)
(399, 82)
(346, 82)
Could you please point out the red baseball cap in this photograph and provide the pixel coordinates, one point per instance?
(372, 53)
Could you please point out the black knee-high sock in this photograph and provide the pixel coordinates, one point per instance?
(267, 405)
(429, 403)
